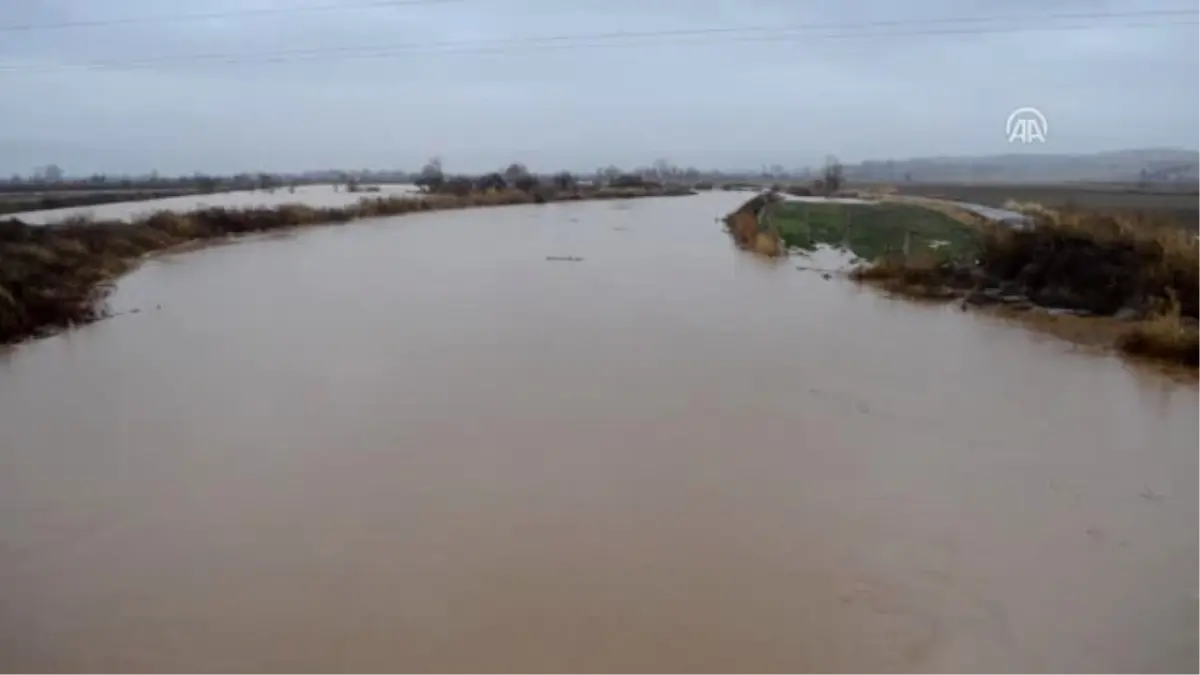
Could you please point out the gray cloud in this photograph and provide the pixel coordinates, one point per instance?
(705, 100)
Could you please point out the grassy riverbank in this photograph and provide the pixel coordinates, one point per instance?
(870, 230)
(866, 230)
(1136, 277)
(56, 276)
(1135, 269)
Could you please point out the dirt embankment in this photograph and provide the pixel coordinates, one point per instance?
(56, 276)
(750, 227)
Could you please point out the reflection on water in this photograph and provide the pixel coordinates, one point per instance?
(993, 213)
(415, 444)
(311, 195)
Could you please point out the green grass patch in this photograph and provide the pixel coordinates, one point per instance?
(872, 231)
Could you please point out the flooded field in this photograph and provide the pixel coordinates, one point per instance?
(416, 444)
(309, 195)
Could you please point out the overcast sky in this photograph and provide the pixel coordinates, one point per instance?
(918, 87)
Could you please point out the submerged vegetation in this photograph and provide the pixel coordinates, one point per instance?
(1166, 336)
(56, 276)
(1138, 270)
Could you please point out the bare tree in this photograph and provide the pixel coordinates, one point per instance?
(610, 173)
(564, 181)
(207, 184)
(834, 176)
(491, 181)
(460, 186)
(526, 182)
(515, 172)
(432, 178)
(663, 168)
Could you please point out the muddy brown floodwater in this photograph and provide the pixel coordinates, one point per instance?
(416, 444)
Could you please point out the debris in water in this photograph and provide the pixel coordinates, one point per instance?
(825, 272)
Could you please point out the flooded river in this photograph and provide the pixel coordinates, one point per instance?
(310, 195)
(415, 444)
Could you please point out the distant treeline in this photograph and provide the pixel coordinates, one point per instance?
(16, 185)
(20, 195)
(661, 171)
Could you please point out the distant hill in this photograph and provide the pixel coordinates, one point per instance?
(1154, 165)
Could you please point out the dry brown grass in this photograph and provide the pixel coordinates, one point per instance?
(920, 268)
(743, 225)
(920, 276)
(768, 244)
(1166, 336)
(1115, 259)
(1107, 261)
(1098, 262)
(958, 213)
(1029, 208)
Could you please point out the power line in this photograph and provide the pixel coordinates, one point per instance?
(377, 4)
(650, 38)
(387, 4)
(228, 14)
